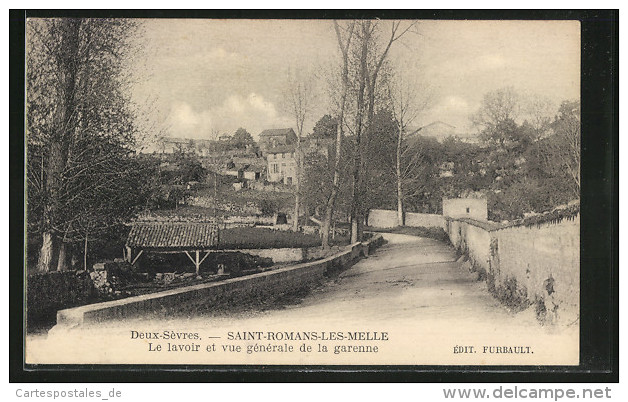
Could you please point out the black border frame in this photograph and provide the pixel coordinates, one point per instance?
(599, 329)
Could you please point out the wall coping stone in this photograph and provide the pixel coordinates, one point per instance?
(494, 226)
(73, 317)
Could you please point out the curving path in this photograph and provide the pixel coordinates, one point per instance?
(412, 288)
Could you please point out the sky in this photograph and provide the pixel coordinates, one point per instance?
(204, 77)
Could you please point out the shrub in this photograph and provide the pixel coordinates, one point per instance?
(52, 291)
(512, 295)
(268, 207)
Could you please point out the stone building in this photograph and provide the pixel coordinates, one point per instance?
(276, 137)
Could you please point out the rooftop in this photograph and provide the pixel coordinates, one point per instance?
(281, 149)
(181, 235)
(276, 132)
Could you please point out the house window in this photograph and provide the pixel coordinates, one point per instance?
(467, 209)
(275, 168)
(283, 155)
(289, 181)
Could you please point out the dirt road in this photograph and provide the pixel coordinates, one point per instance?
(412, 289)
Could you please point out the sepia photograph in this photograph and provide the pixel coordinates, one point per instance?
(337, 192)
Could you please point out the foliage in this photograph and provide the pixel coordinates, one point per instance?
(242, 138)
(420, 161)
(268, 207)
(325, 127)
(563, 148)
(234, 262)
(318, 181)
(381, 140)
(49, 292)
(521, 168)
(83, 178)
(498, 109)
(367, 60)
(182, 170)
(555, 216)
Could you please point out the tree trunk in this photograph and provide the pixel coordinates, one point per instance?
(354, 230)
(59, 146)
(62, 261)
(45, 253)
(358, 162)
(297, 195)
(400, 221)
(295, 223)
(85, 253)
(74, 261)
(329, 212)
(331, 201)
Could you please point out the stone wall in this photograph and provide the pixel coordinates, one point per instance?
(268, 285)
(382, 218)
(278, 255)
(424, 220)
(546, 261)
(474, 208)
(524, 266)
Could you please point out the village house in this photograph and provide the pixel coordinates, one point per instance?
(276, 137)
(282, 165)
(165, 146)
(245, 171)
(278, 146)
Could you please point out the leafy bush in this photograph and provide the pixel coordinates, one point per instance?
(268, 207)
(49, 292)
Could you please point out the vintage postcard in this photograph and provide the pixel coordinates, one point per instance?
(302, 192)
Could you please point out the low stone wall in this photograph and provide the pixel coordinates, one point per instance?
(473, 208)
(424, 220)
(384, 219)
(381, 218)
(537, 265)
(278, 255)
(204, 296)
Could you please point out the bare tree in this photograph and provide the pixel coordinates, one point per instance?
(344, 36)
(499, 108)
(299, 97)
(369, 58)
(539, 111)
(406, 105)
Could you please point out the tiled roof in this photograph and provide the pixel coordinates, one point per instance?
(281, 149)
(275, 131)
(189, 235)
